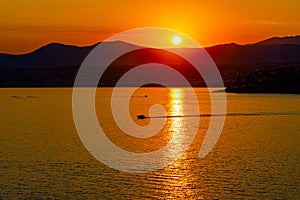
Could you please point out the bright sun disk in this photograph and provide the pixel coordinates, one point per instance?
(176, 40)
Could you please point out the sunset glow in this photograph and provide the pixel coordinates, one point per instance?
(27, 25)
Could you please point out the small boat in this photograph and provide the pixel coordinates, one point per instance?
(141, 116)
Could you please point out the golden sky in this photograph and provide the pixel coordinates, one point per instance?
(28, 24)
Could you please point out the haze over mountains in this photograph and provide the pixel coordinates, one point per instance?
(56, 65)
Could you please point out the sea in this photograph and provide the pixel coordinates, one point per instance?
(43, 155)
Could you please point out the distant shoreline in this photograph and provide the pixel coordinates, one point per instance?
(218, 89)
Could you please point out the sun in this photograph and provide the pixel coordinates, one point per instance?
(176, 40)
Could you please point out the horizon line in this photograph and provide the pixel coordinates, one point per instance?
(184, 47)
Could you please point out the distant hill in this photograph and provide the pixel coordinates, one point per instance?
(233, 54)
(50, 56)
(56, 65)
(53, 55)
(294, 40)
(56, 55)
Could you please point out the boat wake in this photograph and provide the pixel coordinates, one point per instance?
(288, 113)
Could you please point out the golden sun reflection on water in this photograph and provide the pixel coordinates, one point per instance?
(175, 108)
(181, 181)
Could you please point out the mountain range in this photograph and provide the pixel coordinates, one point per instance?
(56, 65)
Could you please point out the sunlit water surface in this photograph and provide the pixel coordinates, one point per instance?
(256, 157)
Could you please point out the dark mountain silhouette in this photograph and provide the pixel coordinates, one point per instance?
(2, 55)
(53, 55)
(56, 65)
(59, 55)
(295, 40)
(233, 54)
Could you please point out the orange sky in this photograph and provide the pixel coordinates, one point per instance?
(27, 25)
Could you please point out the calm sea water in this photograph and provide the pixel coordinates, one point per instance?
(256, 157)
